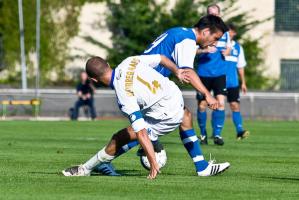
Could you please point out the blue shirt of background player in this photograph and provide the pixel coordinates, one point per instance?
(235, 60)
(213, 64)
(178, 44)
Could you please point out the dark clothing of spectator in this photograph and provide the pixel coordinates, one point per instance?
(86, 90)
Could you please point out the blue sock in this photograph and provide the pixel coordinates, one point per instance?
(219, 117)
(126, 148)
(213, 121)
(237, 119)
(202, 120)
(192, 145)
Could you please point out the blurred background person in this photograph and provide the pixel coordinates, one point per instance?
(85, 91)
(211, 71)
(235, 64)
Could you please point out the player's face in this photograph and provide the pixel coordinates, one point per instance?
(209, 39)
(213, 11)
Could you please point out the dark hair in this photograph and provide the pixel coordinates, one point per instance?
(213, 6)
(96, 67)
(212, 22)
(232, 26)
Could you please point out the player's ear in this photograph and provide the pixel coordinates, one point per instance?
(205, 32)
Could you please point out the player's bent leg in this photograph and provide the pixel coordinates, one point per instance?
(105, 155)
(238, 121)
(218, 120)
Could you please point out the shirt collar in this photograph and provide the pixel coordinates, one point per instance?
(112, 79)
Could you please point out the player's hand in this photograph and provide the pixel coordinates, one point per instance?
(155, 170)
(212, 102)
(88, 96)
(83, 97)
(244, 88)
(226, 52)
(207, 49)
(183, 76)
(210, 49)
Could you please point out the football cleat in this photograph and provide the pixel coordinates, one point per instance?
(106, 169)
(214, 169)
(218, 140)
(243, 134)
(76, 171)
(203, 139)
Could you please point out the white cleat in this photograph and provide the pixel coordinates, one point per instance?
(214, 169)
(76, 171)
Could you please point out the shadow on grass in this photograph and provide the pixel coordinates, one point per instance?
(44, 173)
(281, 178)
(123, 173)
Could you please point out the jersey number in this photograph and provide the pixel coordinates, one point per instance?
(153, 88)
(156, 42)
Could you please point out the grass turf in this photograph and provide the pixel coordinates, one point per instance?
(32, 154)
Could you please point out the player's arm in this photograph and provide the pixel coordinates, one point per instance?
(208, 49)
(128, 105)
(157, 59)
(146, 144)
(138, 126)
(198, 85)
(184, 55)
(241, 70)
(179, 73)
(228, 46)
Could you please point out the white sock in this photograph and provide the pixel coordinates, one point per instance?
(100, 157)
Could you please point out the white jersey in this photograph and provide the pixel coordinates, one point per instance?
(139, 89)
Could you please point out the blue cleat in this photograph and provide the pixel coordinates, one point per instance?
(106, 169)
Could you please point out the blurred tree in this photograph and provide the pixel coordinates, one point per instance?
(134, 25)
(58, 25)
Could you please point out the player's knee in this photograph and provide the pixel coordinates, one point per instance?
(202, 106)
(187, 114)
(234, 106)
(221, 105)
(187, 120)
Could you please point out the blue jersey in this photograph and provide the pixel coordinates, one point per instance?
(212, 64)
(233, 62)
(178, 44)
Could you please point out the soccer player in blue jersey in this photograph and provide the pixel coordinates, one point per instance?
(180, 45)
(211, 70)
(235, 64)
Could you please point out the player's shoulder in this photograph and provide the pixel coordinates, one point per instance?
(181, 33)
(131, 60)
(224, 37)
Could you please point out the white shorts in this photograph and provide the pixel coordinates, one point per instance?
(166, 115)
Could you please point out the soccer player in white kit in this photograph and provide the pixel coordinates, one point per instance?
(153, 104)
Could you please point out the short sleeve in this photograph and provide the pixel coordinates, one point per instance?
(228, 41)
(128, 105)
(241, 59)
(184, 53)
(150, 60)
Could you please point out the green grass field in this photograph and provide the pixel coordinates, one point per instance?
(32, 154)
